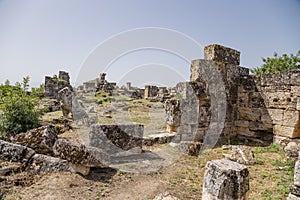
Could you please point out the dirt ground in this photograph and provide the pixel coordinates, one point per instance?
(270, 178)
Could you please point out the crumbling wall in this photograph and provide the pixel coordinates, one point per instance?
(150, 91)
(259, 108)
(55, 84)
(269, 104)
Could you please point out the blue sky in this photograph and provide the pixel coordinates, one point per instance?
(41, 37)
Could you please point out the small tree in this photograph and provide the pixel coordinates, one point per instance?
(278, 63)
(18, 111)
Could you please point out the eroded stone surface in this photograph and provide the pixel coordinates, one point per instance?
(40, 139)
(226, 180)
(241, 154)
(123, 136)
(14, 152)
(47, 164)
(77, 153)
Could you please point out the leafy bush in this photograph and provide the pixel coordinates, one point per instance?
(276, 64)
(18, 111)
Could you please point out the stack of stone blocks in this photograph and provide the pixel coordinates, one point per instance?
(55, 84)
(260, 108)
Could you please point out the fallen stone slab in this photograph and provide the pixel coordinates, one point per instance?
(123, 136)
(40, 139)
(225, 180)
(79, 154)
(47, 164)
(161, 138)
(15, 152)
(241, 154)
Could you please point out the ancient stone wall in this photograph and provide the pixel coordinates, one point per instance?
(259, 108)
(269, 105)
(55, 84)
(150, 91)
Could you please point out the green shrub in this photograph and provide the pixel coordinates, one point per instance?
(18, 108)
(278, 63)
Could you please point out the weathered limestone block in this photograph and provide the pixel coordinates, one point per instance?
(124, 136)
(256, 100)
(278, 100)
(172, 114)
(276, 115)
(40, 139)
(290, 118)
(190, 147)
(161, 138)
(297, 173)
(47, 164)
(295, 77)
(77, 153)
(14, 152)
(286, 131)
(241, 154)
(225, 180)
(292, 149)
(249, 114)
(295, 90)
(298, 104)
(221, 54)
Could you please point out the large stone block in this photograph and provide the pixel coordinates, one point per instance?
(123, 136)
(286, 131)
(226, 180)
(79, 154)
(40, 139)
(276, 116)
(220, 53)
(14, 152)
(47, 164)
(290, 118)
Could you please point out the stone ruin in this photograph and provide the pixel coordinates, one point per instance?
(98, 84)
(225, 180)
(258, 108)
(55, 84)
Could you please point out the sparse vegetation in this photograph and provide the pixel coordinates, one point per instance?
(18, 106)
(278, 63)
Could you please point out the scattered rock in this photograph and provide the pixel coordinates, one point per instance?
(14, 152)
(165, 196)
(190, 148)
(241, 154)
(40, 139)
(47, 164)
(292, 149)
(65, 95)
